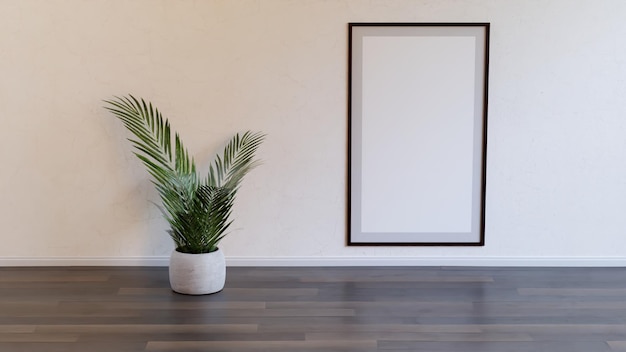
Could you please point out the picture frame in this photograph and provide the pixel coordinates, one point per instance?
(417, 133)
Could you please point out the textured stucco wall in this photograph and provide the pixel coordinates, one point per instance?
(70, 186)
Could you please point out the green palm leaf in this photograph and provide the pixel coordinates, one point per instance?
(198, 211)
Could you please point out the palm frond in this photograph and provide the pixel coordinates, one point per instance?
(147, 124)
(237, 160)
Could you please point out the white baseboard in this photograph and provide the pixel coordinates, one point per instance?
(329, 261)
(430, 261)
(84, 261)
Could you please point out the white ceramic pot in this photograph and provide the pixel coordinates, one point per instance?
(197, 274)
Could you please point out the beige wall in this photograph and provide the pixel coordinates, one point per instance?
(70, 186)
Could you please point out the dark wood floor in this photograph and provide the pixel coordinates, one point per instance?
(316, 309)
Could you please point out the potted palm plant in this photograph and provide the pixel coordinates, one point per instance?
(197, 208)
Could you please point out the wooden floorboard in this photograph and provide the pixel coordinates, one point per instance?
(128, 309)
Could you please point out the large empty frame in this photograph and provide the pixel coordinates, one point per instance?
(417, 135)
